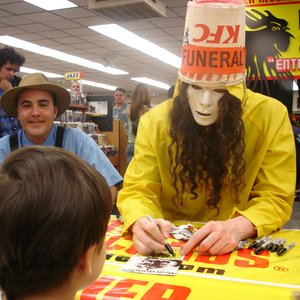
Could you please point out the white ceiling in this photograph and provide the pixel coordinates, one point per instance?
(67, 30)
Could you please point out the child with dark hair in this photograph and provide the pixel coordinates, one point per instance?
(54, 211)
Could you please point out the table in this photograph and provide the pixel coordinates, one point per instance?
(237, 275)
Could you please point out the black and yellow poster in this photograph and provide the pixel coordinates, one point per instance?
(272, 40)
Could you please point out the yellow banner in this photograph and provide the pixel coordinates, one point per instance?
(272, 39)
(240, 273)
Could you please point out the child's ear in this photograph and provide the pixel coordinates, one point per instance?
(86, 260)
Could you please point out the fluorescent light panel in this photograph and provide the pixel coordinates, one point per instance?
(53, 75)
(100, 85)
(48, 74)
(132, 40)
(18, 43)
(52, 4)
(151, 82)
(295, 86)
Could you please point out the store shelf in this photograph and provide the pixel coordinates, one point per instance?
(118, 138)
(78, 106)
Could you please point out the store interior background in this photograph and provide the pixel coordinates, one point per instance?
(67, 30)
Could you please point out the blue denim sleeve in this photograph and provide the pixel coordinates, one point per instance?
(86, 148)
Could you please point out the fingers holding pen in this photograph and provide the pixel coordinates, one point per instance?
(164, 227)
(145, 246)
(149, 236)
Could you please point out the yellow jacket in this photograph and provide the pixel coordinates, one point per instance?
(270, 175)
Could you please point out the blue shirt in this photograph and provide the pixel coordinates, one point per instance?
(75, 141)
(8, 125)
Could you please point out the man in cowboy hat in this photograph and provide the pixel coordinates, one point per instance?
(217, 153)
(37, 103)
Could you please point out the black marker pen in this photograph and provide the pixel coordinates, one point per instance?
(275, 245)
(256, 242)
(281, 245)
(286, 249)
(167, 245)
(262, 247)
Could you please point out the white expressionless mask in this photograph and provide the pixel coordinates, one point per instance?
(204, 103)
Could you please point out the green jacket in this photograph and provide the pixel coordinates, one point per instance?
(270, 175)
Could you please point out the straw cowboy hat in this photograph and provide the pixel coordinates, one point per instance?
(35, 81)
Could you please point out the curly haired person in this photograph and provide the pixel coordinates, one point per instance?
(217, 153)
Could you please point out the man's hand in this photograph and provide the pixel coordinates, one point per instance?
(5, 85)
(220, 237)
(148, 237)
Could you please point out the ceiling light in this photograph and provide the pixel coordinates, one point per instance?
(151, 82)
(132, 40)
(52, 4)
(17, 43)
(100, 85)
(295, 86)
(31, 71)
(53, 75)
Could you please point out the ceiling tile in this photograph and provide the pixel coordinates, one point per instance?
(34, 27)
(29, 37)
(10, 30)
(67, 30)
(20, 8)
(64, 24)
(79, 31)
(44, 16)
(15, 20)
(74, 13)
(97, 20)
(4, 13)
(53, 34)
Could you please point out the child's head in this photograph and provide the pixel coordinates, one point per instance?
(54, 211)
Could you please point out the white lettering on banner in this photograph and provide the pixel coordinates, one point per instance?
(223, 35)
(287, 64)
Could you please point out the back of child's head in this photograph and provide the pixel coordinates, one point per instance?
(53, 207)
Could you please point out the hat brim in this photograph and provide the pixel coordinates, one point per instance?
(9, 98)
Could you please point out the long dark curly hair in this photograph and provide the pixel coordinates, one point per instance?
(206, 155)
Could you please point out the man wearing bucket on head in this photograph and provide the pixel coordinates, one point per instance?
(217, 152)
(36, 103)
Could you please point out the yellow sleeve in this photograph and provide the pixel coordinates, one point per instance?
(271, 197)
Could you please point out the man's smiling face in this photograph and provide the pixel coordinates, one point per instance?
(203, 102)
(36, 113)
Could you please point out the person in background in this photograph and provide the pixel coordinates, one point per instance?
(171, 92)
(37, 103)
(140, 104)
(54, 212)
(217, 153)
(120, 107)
(10, 63)
(75, 87)
(76, 95)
